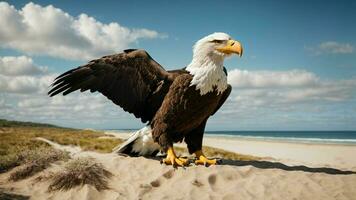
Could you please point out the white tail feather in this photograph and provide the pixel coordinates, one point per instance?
(139, 143)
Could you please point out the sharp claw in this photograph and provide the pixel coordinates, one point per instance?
(173, 160)
(202, 160)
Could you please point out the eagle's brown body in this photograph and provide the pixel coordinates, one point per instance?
(184, 112)
(173, 107)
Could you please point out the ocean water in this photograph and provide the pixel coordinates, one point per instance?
(329, 137)
(333, 137)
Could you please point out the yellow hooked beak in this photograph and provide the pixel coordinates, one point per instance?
(232, 46)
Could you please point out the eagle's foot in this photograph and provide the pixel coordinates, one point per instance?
(203, 160)
(173, 160)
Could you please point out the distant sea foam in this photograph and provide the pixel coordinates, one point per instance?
(328, 137)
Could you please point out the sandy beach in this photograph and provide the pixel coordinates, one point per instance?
(287, 171)
(341, 156)
(310, 154)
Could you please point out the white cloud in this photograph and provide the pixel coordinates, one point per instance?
(50, 31)
(77, 109)
(21, 65)
(265, 79)
(269, 101)
(21, 75)
(331, 47)
(334, 93)
(25, 84)
(281, 89)
(335, 47)
(260, 88)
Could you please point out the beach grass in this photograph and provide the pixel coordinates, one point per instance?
(80, 171)
(36, 161)
(228, 155)
(18, 141)
(15, 141)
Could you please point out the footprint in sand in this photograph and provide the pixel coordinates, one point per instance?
(212, 179)
(158, 182)
(169, 174)
(197, 183)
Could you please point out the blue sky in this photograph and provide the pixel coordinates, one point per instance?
(310, 38)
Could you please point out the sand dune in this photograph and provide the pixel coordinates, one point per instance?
(143, 178)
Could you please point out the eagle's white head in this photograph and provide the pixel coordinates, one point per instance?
(208, 61)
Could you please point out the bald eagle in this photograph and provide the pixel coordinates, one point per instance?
(175, 104)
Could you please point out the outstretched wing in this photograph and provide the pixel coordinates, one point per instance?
(128, 79)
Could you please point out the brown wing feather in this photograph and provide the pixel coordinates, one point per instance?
(224, 96)
(128, 79)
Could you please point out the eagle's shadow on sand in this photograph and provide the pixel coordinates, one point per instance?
(261, 164)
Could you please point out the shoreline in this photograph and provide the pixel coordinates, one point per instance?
(311, 141)
(293, 153)
(307, 141)
(296, 140)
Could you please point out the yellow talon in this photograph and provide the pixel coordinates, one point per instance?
(202, 160)
(173, 160)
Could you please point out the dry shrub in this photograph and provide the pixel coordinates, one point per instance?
(79, 172)
(13, 151)
(8, 162)
(36, 161)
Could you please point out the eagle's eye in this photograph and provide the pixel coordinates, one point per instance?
(218, 41)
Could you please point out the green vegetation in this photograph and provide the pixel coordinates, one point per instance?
(13, 148)
(18, 142)
(14, 141)
(19, 147)
(220, 153)
(7, 123)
